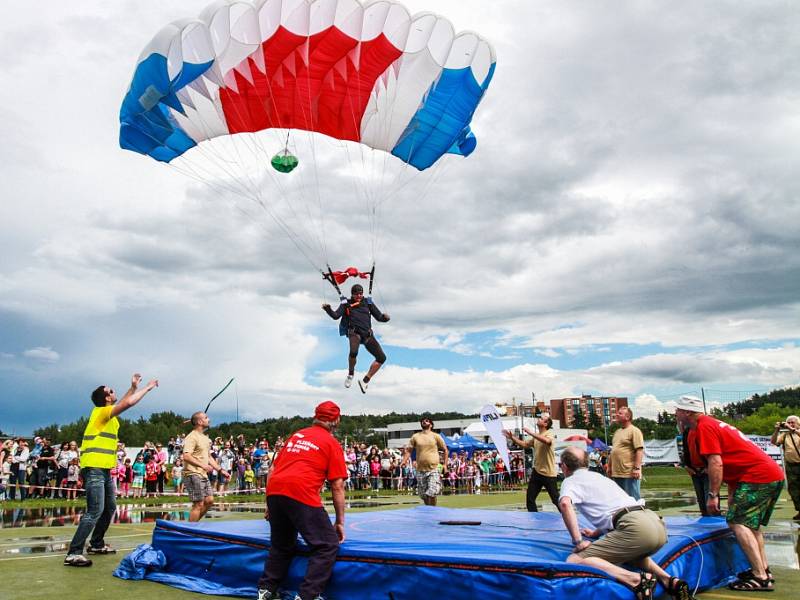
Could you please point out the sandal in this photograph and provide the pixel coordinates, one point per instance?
(753, 584)
(644, 590)
(748, 574)
(679, 589)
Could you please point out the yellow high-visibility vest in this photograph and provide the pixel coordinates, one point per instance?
(99, 445)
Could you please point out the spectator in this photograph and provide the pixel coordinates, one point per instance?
(249, 478)
(124, 478)
(363, 472)
(5, 475)
(66, 454)
(73, 475)
(19, 470)
(161, 457)
(225, 459)
(151, 470)
(787, 436)
(138, 469)
(177, 476)
(627, 453)
(375, 471)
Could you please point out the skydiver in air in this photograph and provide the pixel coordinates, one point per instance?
(356, 324)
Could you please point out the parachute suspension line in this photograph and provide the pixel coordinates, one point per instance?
(253, 194)
(257, 192)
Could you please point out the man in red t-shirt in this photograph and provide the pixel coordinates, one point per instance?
(754, 483)
(309, 457)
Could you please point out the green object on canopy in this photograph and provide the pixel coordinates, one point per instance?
(284, 162)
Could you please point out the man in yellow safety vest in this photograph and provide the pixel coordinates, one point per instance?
(98, 457)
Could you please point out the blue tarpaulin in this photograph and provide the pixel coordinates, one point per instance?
(466, 442)
(395, 554)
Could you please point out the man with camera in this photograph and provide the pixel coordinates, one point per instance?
(787, 436)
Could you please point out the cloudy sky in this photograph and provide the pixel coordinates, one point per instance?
(628, 225)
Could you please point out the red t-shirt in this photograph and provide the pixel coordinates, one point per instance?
(742, 460)
(309, 457)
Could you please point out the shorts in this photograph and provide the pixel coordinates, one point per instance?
(177, 482)
(637, 535)
(197, 487)
(429, 484)
(138, 482)
(752, 503)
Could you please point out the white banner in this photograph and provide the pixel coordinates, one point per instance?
(494, 427)
(763, 442)
(661, 451)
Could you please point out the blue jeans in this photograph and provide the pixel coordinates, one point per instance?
(17, 477)
(101, 505)
(630, 485)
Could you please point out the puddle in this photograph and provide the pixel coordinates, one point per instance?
(70, 515)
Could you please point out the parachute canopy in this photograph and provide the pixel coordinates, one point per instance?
(371, 73)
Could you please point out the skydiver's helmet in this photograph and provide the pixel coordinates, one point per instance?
(356, 289)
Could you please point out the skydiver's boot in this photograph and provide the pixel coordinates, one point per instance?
(348, 381)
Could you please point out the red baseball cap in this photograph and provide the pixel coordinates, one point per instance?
(327, 411)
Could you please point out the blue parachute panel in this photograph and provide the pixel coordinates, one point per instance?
(394, 554)
(441, 125)
(145, 123)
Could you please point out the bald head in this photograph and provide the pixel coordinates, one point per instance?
(573, 459)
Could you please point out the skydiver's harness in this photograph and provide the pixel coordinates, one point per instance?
(337, 277)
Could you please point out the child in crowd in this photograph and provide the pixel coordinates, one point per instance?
(151, 470)
(124, 477)
(73, 474)
(249, 478)
(241, 468)
(138, 476)
(177, 476)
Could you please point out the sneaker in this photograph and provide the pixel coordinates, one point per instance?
(363, 385)
(77, 560)
(348, 381)
(104, 550)
(265, 594)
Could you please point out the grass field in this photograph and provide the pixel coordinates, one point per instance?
(31, 557)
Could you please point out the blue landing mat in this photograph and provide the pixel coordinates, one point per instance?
(401, 554)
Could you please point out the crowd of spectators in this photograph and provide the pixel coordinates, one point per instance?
(42, 469)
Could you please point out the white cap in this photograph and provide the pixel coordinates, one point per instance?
(690, 403)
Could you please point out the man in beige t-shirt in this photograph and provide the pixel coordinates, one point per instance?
(544, 461)
(197, 464)
(787, 436)
(427, 443)
(627, 453)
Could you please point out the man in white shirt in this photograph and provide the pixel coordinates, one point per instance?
(627, 531)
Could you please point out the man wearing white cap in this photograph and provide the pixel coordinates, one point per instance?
(754, 483)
